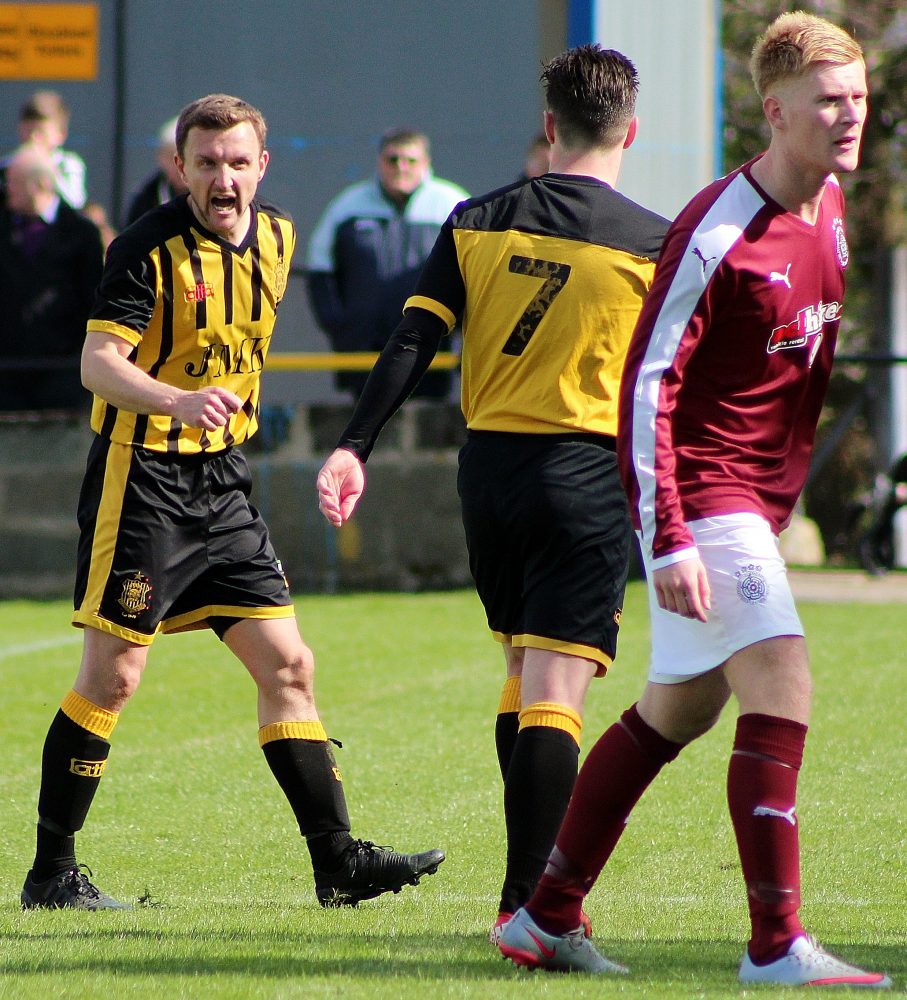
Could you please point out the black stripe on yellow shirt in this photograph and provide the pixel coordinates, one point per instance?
(198, 312)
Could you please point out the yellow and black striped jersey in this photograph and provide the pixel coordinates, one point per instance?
(548, 277)
(198, 312)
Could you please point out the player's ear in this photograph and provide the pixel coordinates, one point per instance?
(548, 122)
(774, 111)
(263, 163)
(181, 168)
(631, 132)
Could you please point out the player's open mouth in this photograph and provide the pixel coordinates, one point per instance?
(223, 204)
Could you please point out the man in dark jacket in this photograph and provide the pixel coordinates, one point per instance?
(369, 246)
(165, 183)
(51, 258)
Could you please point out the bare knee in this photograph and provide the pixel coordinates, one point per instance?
(109, 677)
(681, 728)
(692, 727)
(773, 678)
(299, 671)
(126, 682)
(291, 674)
(684, 712)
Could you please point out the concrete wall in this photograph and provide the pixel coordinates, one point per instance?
(406, 534)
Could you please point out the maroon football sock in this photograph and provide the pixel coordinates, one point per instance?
(616, 772)
(762, 793)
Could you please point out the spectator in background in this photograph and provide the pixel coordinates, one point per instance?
(165, 183)
(50, 263)
(95, 211)
(44, 122)
(537, 156)
(368, 248)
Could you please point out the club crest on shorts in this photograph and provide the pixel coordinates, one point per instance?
(752, 586)
(135, 597)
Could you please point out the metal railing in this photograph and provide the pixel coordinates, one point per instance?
(329, 361)
(278, 361)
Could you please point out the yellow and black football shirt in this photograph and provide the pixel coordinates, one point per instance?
(548, 277)
(198, 312)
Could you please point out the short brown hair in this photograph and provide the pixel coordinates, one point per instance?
(401, 136)
(218, 112)
(44, 104)
(591, 92)
(796, 41)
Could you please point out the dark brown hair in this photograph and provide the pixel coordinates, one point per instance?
(403, 137)
(591, 92)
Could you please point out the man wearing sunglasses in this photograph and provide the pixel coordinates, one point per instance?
(369, 246)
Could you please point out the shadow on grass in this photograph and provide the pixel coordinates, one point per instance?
(285, 954)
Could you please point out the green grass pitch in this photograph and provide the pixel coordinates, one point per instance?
(189, 819)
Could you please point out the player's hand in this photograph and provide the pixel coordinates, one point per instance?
(210, 407)
(683, 588)
(340, 484)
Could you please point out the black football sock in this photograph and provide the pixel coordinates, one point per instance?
(507, 723)
(327, 850)
(537, 791)
(506, 728)
(74, 758)
(55, 852)
(303, 763)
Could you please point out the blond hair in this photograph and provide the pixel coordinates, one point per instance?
(795, 42)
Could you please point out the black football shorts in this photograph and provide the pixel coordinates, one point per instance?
(168, 542)
(548, 535)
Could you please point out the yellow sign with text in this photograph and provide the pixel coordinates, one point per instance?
(49, 41)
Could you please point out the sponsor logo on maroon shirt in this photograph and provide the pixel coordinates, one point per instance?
(809, 322)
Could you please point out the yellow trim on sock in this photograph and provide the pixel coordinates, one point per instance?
(89, 716)
(510, 695)
(291, 731)
(554, 716)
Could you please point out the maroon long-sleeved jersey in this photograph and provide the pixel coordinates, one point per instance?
(729, 362)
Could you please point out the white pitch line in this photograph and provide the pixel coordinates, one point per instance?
(23, 649)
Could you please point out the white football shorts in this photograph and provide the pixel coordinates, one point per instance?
(751, 599)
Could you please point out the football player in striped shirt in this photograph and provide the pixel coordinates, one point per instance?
(176, 344)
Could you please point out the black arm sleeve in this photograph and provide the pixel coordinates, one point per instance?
(324, 296)
(404, 360)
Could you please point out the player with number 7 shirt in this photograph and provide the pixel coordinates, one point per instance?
(547, 277)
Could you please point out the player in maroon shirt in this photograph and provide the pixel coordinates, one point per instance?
(721, 393)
